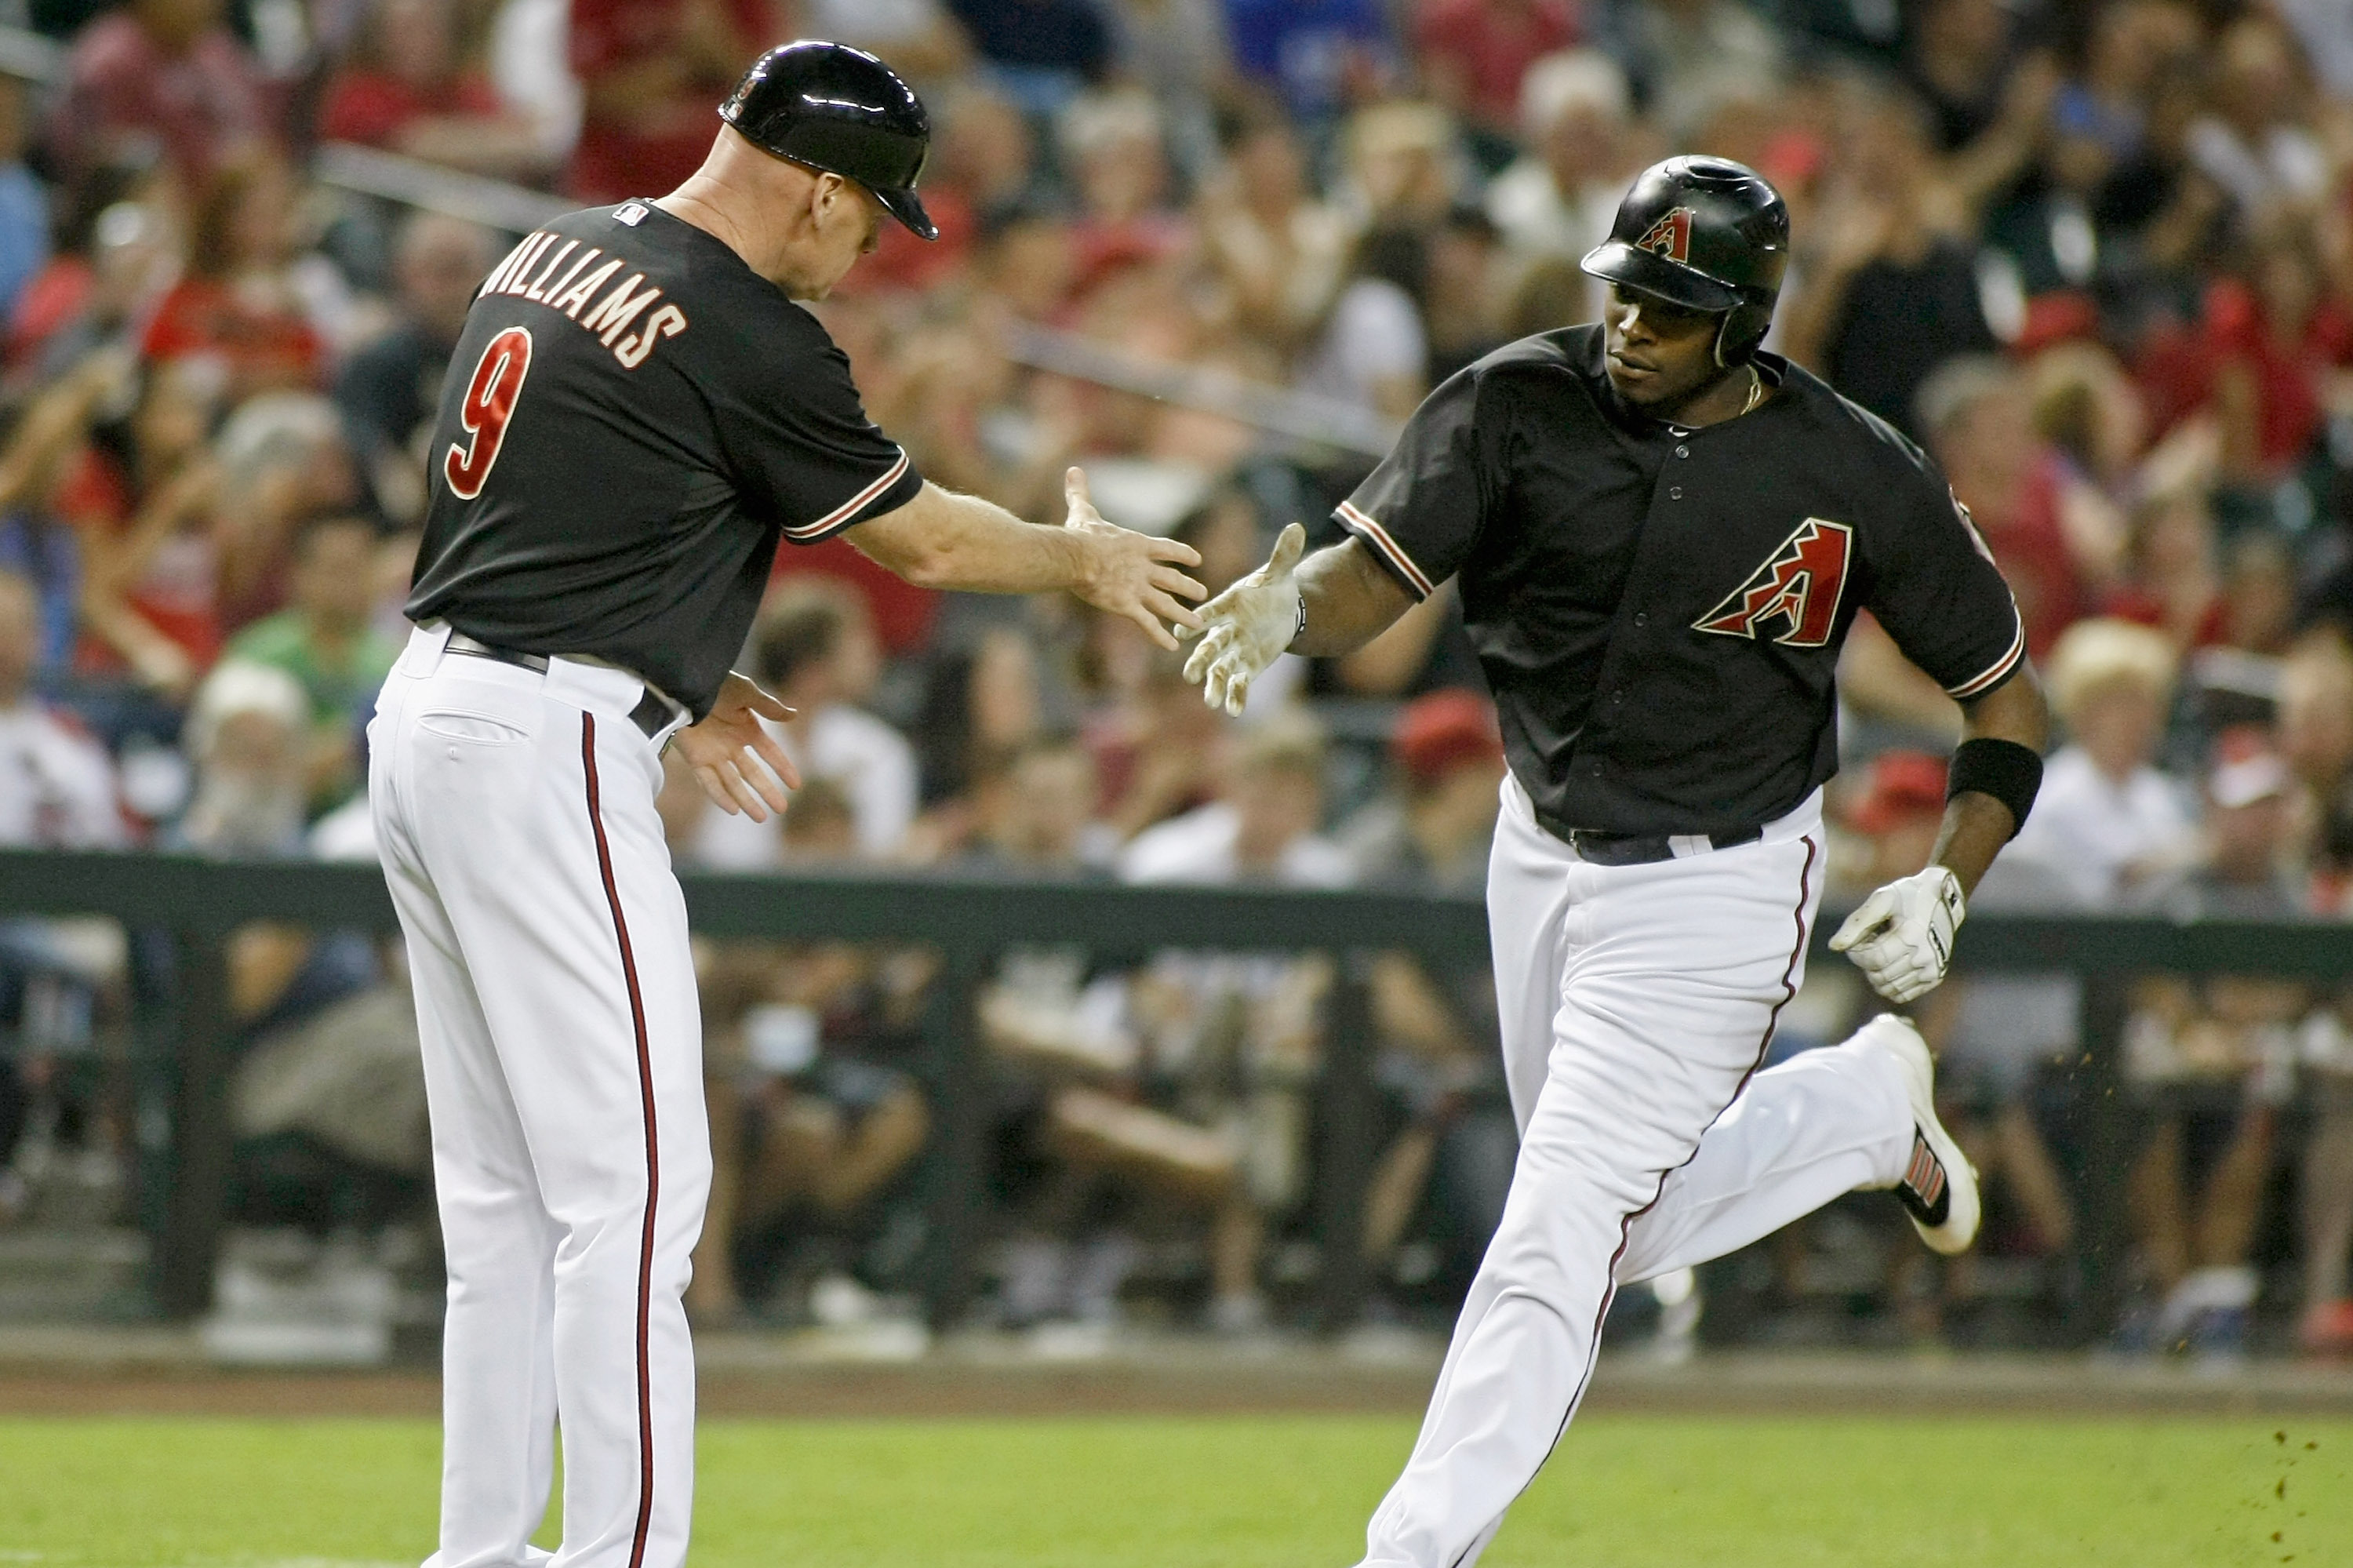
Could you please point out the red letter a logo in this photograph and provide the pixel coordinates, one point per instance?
(1800, 586)
(1669, 237)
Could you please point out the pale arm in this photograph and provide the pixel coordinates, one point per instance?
(943, 540)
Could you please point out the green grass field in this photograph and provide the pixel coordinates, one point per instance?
(1623, 1492)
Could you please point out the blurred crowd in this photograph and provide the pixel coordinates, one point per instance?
(2096, 258)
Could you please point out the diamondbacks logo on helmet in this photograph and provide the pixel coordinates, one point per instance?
(1669, 237)
(1799, 587)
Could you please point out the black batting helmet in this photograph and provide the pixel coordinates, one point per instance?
(841, 110)
(1707, 234)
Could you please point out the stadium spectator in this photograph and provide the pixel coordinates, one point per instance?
(2254, 143)
(2106, 821)
(1980, 426)
(650, 73)
(1322, 57)
(814, 648)
(810, 1123)
(1474, 56)
(1039, 53)
(1688, 58)
(407, 90)
(386, 388)
(249, 734)
(2212, 1063)
(1558, 199)
(166, 79)
(1890, 289)
(239, 301)
(56, 792)
(324, 638)
(108, 271)
(24, 203)
(2326, 1328)
(1277, 253)
(1435, 830)
(1262, 829)
(40, 460)
(1374, 350)
(2316, 725)
(57, 789)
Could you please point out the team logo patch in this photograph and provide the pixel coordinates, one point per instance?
(633, 215)
(1799, 588)
(1669, 237)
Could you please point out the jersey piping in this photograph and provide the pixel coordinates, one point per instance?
(847, 513)
(1997, 673)
(1400, 564)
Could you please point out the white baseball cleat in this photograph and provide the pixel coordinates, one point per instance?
(1939, 1187)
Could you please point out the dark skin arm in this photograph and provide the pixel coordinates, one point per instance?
(1977, 826)
(1351, 600)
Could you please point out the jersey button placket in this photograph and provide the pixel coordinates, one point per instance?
(1674, 492)
(1683, 451)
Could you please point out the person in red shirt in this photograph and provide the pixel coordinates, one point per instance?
(2258, 356)
(166, 73)
(653, 73)
(233, 302)
(1979, 424)
(406, 90)
(1474, 52)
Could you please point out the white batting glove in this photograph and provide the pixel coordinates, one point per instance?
(1246, 628)
(1902, 937)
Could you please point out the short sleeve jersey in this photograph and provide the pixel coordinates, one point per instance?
(1659, 611)
(632, 422)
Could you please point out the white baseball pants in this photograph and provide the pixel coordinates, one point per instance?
(1637, 1002)
(562, 1068)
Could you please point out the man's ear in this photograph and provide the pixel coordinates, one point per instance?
(825, 200)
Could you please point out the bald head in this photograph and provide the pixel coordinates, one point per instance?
(800, 228)
(438, 262)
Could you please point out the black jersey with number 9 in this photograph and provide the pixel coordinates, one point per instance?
(632, 422)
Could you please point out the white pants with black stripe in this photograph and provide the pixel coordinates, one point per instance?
(563, 1066)
(1637, 1002)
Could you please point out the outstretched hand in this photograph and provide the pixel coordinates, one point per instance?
(1131, 575)
(1246, 628)
(735, 759)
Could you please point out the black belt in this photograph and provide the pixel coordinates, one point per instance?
(652, 714)
(1641, 849)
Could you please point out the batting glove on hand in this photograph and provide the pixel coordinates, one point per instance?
(1246, 628)
(1902, 937)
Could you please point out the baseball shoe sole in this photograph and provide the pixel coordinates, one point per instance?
(1939, 1187)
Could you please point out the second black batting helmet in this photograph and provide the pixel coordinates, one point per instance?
(1707, 234)
(842, 110)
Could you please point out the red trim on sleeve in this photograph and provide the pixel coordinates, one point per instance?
(1373, 534)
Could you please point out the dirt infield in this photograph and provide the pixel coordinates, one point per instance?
(160, 1372)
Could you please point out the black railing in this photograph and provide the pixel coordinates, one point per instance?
(970, 920)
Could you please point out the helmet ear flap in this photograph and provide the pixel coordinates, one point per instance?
(1739, 331)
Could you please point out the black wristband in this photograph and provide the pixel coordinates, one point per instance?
(2004, 769)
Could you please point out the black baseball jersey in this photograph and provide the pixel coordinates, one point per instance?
(1659, 611)
(633, 419)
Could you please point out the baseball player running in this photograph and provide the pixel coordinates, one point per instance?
(1661, 536)
(637, 413)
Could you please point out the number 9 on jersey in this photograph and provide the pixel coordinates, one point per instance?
(490, 403)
